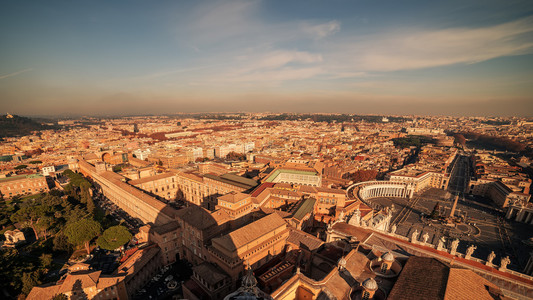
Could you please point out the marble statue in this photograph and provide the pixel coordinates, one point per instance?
(393, 228)
(440, 245)
(414, 236)
(425, 237)
(455, 244)
(504, 262)
(470, 251)
(490, 258)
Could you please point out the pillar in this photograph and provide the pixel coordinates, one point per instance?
(528, 218)
(509, 212)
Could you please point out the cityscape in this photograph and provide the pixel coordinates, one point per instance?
(251, 149)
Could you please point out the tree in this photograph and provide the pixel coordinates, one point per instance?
(82, 232)
(32, 215)
(114, 237)
(29, 280)
(60, 297)
(61, 243)
(46, 260)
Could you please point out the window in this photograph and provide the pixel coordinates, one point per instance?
(383, 268)
(366, 295)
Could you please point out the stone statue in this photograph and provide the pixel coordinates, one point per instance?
(504, 262)
(425, 237)
(414, 236)
(470, 251)
(440, 245)
(393, 228)
(455, 244)
(341, 216)
(490, 258)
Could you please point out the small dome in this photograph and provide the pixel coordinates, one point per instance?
(342, 262)
(370, 284)
(387, 256)
(249, 281)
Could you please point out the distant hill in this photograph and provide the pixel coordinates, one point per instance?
(13, 125)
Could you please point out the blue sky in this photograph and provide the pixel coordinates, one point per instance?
(388, 57)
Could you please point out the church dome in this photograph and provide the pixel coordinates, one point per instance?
(388, 257)
(370, 284)
(249, 281)
(342, 262)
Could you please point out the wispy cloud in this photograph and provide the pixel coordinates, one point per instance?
(417, 49)
(321, 30)
(15, 73)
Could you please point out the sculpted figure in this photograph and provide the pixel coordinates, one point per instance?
(455, 244)
(470, 251)
(440, 245)
(414, 236)
(504, 262)
(490, 258)
(425, 237)
(393, 228)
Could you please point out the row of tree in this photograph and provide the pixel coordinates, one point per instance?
(69, 217)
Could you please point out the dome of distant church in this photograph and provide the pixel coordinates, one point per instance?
(387, 256)
(370, 284)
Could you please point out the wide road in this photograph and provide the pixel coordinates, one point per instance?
(460, 175)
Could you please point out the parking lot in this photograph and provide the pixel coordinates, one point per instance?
(167, 283)
(117, 213)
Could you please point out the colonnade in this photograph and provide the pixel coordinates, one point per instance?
(520, 214)
(374, 189)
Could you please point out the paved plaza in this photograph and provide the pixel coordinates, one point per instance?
(484, 224)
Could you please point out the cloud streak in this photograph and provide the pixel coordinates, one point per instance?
(15, 73)
(418, 49)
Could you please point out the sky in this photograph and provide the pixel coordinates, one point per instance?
(392, 57)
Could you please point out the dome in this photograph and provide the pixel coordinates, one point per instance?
(249, 281)
(342, 262)
(387, 256)
(370, 284)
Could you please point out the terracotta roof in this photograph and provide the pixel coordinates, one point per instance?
(233, 197)
(304, 240)
(429, 278)
(247, 234)
(421, 278)
(210, 273)
(201, 218)
(465, 284)
(261, 188)
(43, 292)
(151, 178)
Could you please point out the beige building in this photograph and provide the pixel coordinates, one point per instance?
(23, 185)
(84, 285)
(163, 185)
(254, 244)
(133, 201)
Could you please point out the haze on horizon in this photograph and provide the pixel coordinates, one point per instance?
(366, 57)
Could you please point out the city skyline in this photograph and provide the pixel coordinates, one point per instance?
(131, 58)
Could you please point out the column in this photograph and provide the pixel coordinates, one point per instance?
(527, 219)
(509, 212)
